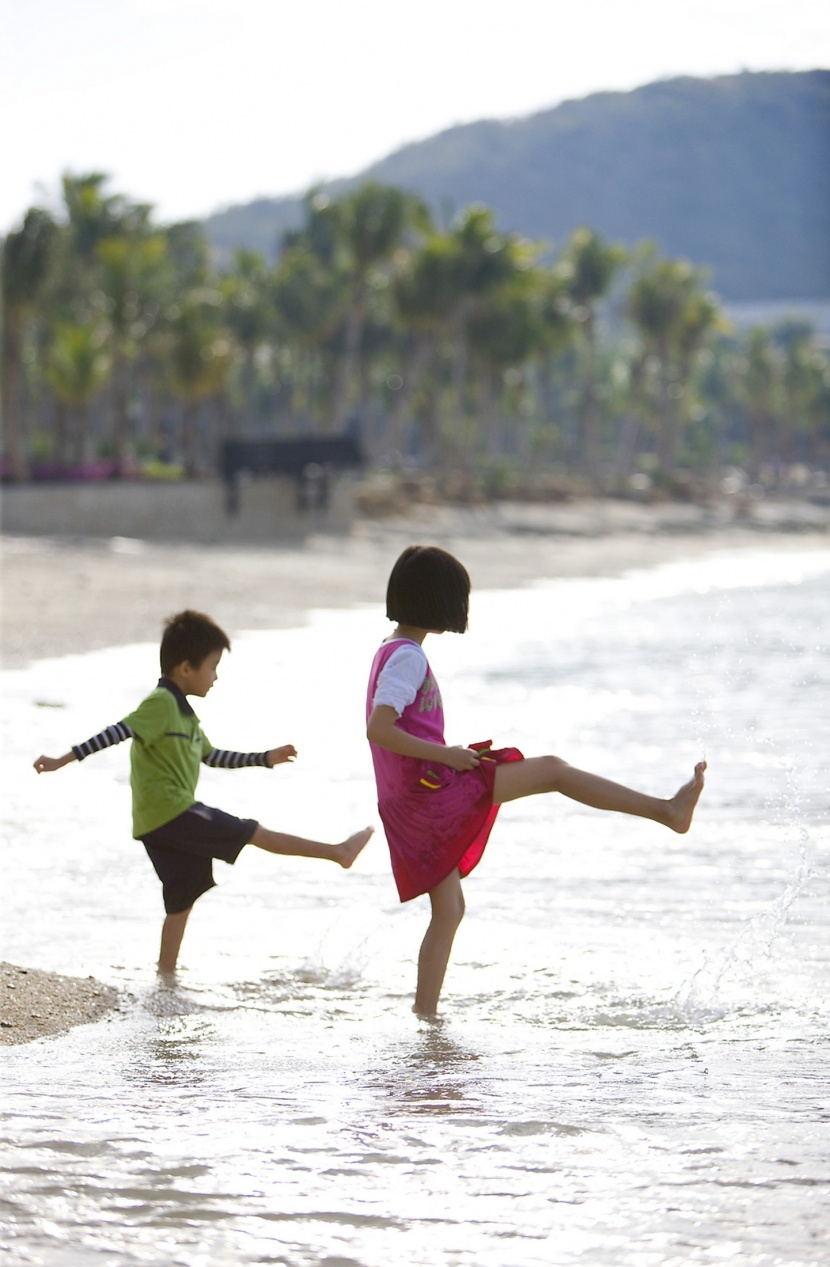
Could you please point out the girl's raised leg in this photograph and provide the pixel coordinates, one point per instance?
(447, 901)
(551, 774)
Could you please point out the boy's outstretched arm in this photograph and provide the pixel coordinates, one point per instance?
(278, 756)
(112, 735)
(227, 759)
(44, 765)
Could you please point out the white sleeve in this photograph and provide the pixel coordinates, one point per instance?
(401, 677)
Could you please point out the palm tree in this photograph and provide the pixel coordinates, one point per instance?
(372, 224)
(185, 270)
(504, 333)
(308, 298)
(77, 366)
(436, 295)
(760, 383)
(133, 270)
(804, 392)
(424, 297)
(674, 316)
(200, 360)
(94, 215)
(587, 268)
(26, 261)
(249, 316)
(558, 331)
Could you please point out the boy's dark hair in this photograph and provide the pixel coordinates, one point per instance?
(190, 636)
(430, 589)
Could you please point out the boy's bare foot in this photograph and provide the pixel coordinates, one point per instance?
(350, 848)
(681, 807)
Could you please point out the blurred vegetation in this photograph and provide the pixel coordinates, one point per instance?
(461, 352)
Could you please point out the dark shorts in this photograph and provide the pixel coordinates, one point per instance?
(182, 851)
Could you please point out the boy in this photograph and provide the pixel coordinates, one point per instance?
(182, 836)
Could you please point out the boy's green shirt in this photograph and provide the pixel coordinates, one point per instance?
(166, 753)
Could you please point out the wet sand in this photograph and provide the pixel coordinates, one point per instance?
(35, 1004)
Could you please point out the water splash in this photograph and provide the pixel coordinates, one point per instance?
(700, 994)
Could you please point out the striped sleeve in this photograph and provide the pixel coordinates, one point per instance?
(112, 735)
(226, 760)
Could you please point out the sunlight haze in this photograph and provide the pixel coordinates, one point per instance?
(196, 104)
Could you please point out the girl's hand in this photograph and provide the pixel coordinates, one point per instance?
(45, 765)
(460, 758)
(278, 756)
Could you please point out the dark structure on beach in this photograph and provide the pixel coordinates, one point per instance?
(308, 461)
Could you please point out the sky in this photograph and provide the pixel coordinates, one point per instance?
(193, 105)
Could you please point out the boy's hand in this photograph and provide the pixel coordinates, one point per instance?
(44, 765)
(278, 756)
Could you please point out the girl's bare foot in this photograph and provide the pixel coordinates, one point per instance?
(681, 807)
(350, 848)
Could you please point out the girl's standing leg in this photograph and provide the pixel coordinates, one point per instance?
(447, 900)
(552, 774)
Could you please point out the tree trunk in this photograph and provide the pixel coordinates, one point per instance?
(589, 437)
(430, 434)
(524, 423)
(666, 413)
(759, 446)
(78, 426)
(62, 447)
(367, 420)
(490, 415)
(120, 422)
(549, 423)
(190, 438)
(459, 375)
(628, 439)
(13, 419)
(353, 337)
(413, 377)
(250, 422)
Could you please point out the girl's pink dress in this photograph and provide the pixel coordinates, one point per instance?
(435, 818)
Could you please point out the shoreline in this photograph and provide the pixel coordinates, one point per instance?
(68, 596)
(64, 597)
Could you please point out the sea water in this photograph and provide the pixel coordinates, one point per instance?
(631, 1066)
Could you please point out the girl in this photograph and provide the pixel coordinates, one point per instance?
(438, 803)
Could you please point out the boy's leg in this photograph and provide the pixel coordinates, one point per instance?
(552, 774)
(298, 847)
(172, 932)
(447, 901)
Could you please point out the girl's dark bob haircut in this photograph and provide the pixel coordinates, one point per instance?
(430, 589)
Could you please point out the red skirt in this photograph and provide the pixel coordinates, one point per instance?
(441, 821)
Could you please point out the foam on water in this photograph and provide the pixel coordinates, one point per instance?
(631, 1067)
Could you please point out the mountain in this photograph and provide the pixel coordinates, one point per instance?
(732, 173)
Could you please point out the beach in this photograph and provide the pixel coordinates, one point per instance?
(66, 597)
(62, 597)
